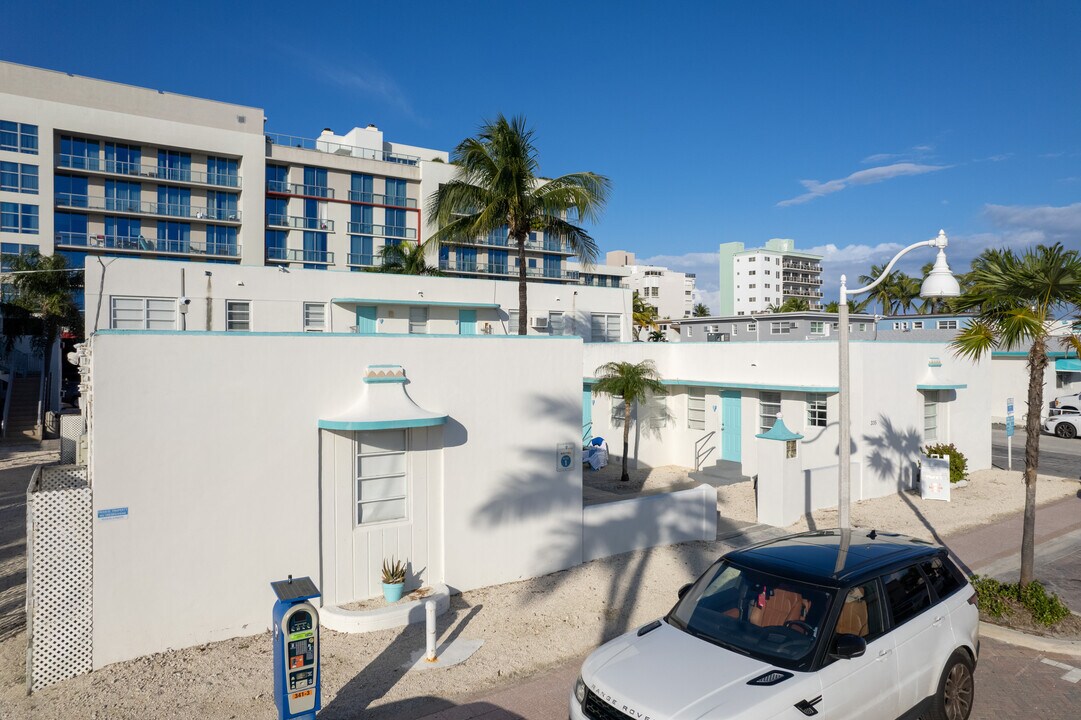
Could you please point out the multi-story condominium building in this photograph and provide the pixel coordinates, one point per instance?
(671, 292)
(813, 325)
(753, 280)
(91, 167)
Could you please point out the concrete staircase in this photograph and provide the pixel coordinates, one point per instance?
(721, 473)
(22, 417)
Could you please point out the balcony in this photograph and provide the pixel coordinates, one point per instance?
(548, 246)
(320, 257)
(285, 188)
(127, 244)
(801, 278)
(97, 166)
(387, 200)
(360, 260)
(801, 265)
(116, 206)
(301, 223)
(505, 271)
(389, 231)
(802, 292)
(340, 149)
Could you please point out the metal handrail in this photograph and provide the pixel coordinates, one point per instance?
(337, 148)
(146, 172)
(141, 207)
(7, 404)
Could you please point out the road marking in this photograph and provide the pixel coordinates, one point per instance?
(1072, 675)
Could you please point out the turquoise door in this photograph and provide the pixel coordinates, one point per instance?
(366, 319)
(467, 322)
(587, 414)
(731, 426)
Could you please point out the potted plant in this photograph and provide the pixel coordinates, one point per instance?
(393, 580)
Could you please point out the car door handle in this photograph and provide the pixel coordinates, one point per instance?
(938, 621)
(883, 653)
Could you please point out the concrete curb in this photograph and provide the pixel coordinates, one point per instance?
(384, 618)
(1032, 642)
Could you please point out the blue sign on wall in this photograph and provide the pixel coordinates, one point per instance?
(112, 513)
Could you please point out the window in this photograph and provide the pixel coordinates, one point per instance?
(315, 315)
(861, 613)
(861, 327)
(947, 324)
(18, 137)
(512, 322)
(617, 410)
(816, 410)
(752, 286)
(418, 320)
(782, 327)
(277, 179)
(396, 192)
(221, 240)
(19, 218)
(174, 165)
(605, 328)
(381, 476)
(171, 200)
(237, 315)
(942, 576)
(275, 244)
(221, 171)
(315, 182)
(395, 223)
(769, 407)
(657, 407)
(555, 323)
(752, 327)
(917, 324)
(907, 593)
(138, 313)
(930, 415)
(696, 408)
(752, 272)
(767, 284)
(818, 327)
(16, 177)
(174, 237)
(122, 159)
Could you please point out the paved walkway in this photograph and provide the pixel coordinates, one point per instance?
(1011, 682)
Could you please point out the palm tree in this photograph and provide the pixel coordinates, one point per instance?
(497, 183)
(42, 303)
(905, 290)
(884, 294)
(634, 382)
(658, 336)
(643, 315)
(854, 306)
(1016, 298)
(405, 258)
(700, 310)
(792, 304)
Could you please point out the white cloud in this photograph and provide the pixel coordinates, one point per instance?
(870, 176)
(1050, 221)
(369, 81)
(913, 153)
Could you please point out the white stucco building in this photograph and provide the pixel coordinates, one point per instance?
(751, 280)
(671, 292)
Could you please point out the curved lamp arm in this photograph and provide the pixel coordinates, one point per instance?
(940, 242)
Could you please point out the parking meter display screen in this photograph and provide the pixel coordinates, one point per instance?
(301, 679)
(300, 621)
(301, 653)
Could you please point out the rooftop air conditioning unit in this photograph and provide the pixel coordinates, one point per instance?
(540, 322)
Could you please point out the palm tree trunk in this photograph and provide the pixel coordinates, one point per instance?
(624, 477)
(1037, 363)
(523, 309)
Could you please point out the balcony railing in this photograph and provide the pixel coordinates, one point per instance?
(388, 200)
(539, 246)
(146, 172)
(303, 223)
(505, 270)
(340, 149)
(390, 231)
(802, 292)
(360, 260)
(70, 201)
(144, 244)
(322, 257)
(798, 265)
(286, 188)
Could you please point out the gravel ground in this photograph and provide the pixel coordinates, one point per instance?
(526, 626)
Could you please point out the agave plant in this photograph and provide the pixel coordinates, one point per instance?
(393, 572)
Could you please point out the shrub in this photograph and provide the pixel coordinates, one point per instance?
(958, 461)
(994, 597)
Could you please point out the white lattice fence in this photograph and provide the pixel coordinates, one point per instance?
(72, 427)
(59, 583)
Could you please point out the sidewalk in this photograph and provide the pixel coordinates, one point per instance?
(545, 696)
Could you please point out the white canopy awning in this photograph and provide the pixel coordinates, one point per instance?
(383, 405)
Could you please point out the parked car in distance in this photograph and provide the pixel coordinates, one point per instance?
(1067, 403)
(846, 624)
(1064, 424)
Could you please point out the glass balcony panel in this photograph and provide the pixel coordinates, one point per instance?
(152, 172)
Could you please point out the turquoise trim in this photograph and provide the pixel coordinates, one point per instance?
(419, 302)
(392, 365)
(944, 386)
(376, 380)
(1068, 365)
(381, 424)
(1053, 354)
(741, 386)
(779, 431)
(336, 335)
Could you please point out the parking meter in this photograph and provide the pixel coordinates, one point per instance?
(296, 649)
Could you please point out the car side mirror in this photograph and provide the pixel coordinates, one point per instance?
(848, 646)
(683, 590)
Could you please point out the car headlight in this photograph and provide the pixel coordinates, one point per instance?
(580, 690)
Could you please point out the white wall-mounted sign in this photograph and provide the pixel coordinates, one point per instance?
(564, 457)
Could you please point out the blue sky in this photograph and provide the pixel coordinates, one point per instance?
(853, 127)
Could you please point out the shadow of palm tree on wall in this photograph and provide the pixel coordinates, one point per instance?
(895, 453)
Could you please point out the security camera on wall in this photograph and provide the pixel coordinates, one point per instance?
(184, 301)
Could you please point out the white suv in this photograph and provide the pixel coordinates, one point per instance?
(846, 624)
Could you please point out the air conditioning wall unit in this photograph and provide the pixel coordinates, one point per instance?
(541, 321)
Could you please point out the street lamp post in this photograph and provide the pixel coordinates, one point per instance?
(939, 283)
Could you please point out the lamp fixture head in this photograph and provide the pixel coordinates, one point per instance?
(940, 282)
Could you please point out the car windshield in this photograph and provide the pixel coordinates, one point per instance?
(755, 614)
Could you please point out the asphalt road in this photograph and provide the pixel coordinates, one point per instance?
(1057, 456)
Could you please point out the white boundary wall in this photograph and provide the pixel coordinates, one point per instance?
(634, 524)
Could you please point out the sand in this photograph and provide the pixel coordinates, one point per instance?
(527, 626)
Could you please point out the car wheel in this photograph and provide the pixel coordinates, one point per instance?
(956, 690)
(1065, 430)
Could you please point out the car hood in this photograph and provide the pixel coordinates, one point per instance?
(670, 674)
